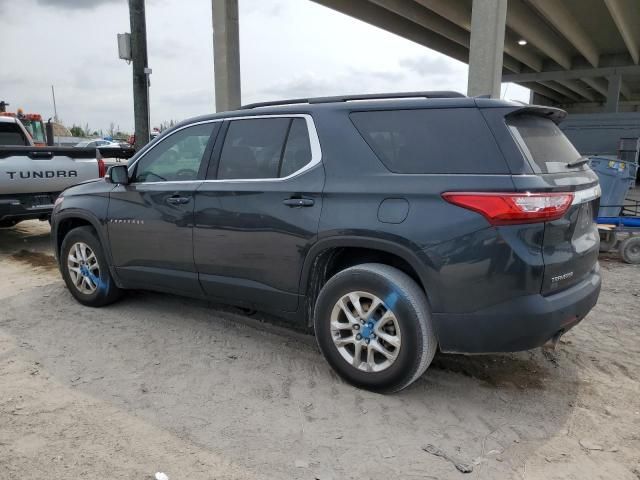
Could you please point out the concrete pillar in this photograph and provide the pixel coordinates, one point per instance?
(537, 99)
(613, 93)
(488, 20)
(226, 54)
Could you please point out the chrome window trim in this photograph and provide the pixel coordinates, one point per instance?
(314, 141)
(155, 144)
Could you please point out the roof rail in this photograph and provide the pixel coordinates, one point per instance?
(365, 96)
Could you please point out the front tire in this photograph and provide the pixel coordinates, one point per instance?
(373, 325)
(85, 269)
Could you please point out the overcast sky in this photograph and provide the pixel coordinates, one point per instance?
(289, 48)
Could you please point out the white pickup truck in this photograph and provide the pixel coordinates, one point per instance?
(32, 177)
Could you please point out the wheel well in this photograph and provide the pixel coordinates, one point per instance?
(66, 225)
(334, 260)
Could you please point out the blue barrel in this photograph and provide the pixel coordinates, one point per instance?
(616, 178)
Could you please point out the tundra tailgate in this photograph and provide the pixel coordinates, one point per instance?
(32, 170)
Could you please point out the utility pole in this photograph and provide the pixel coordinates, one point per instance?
(226, 54)
(55, 110)
(140, 72)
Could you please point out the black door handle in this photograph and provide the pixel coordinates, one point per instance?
(175, 200)
(299, 202)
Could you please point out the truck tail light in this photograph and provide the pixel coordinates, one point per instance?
(513, 208)
(102, 168)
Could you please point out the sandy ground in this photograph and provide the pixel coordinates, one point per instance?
(199, 391)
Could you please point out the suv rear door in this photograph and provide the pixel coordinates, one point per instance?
(257, 213)
(571, 243)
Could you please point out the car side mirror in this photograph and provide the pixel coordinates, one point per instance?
(118, 174)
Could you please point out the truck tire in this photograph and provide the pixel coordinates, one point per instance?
(630, 249)
(373, 325)
(85, 269)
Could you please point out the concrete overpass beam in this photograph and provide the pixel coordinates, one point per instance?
(459, 13)
(522, 20)
(581, 73)
(597, 84)
(380, 17)
(421, 16)
(579, 88)
(613, 93)
(488, 20)
(546, 92)
(628, 31)
(560, 17)
(226, 54)
(562, 90)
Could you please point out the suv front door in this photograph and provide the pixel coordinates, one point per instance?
(257, 214)
(150, 221)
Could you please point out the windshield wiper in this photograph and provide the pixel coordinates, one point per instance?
(577, 162)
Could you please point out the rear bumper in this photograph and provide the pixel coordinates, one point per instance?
(25, 207)
(519, 324)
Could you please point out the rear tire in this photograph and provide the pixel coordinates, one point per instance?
(85, 269)
(630, 250)
(373, 325)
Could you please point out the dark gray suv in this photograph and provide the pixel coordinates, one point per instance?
(391, 224)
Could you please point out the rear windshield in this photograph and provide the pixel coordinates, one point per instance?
(543, 143)
(11, 134)
(450, 140)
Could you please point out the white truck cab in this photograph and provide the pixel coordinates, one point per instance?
(13, 133)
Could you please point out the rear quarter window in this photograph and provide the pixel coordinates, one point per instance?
(449, 141)
(542, 142)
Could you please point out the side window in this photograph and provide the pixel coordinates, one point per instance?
(10, 134)
(264, 148)
(177, 157)
(448, 140)
(253, 148)
(297, 152)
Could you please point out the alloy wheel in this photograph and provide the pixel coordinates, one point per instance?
(83, 268)
(365, 331)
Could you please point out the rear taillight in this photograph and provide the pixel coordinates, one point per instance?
(513, 208)
(102, 168)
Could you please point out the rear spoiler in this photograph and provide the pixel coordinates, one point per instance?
(42, 153)
(557, 115)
